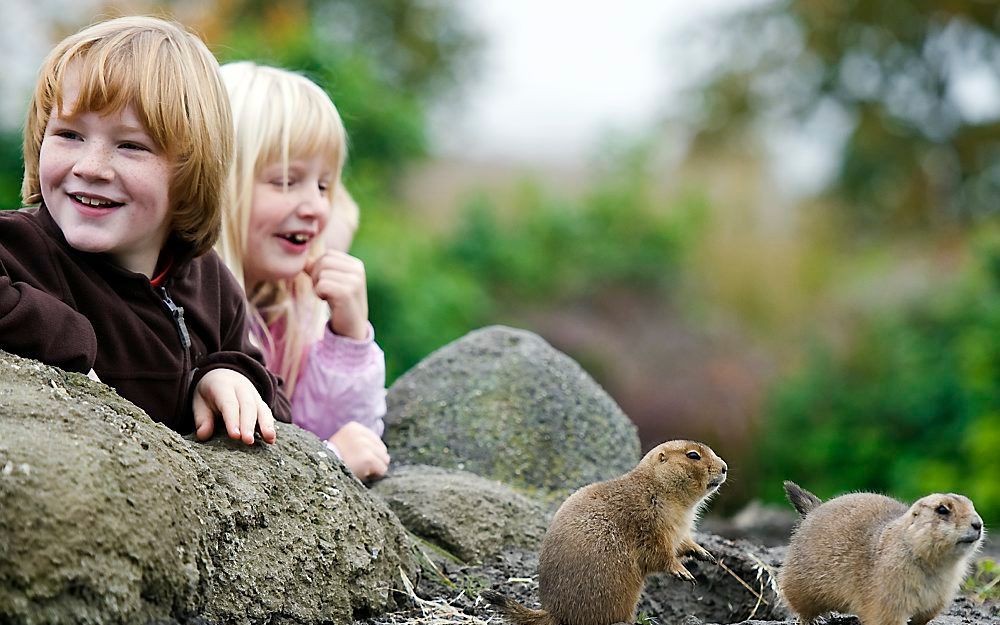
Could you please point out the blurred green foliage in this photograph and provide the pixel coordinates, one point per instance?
(494, 264)
(550, 250)
(921, 148)
(910, 406)
(984, 582)
(383, 62)
(11, 170)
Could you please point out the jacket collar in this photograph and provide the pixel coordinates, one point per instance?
(174, 259)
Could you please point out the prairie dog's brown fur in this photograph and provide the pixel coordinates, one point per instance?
(873, 556)
(607, 537)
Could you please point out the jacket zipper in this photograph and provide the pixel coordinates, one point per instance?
(177, 314)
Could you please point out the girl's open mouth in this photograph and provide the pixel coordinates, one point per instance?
(295, 242)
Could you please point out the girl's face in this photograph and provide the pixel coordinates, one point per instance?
(285, 220)
(105, 182)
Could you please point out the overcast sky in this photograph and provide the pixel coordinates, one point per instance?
(557, 74)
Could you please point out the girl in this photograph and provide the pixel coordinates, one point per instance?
(126, 146)
(285, 236)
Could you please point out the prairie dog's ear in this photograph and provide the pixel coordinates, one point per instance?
(663, 456)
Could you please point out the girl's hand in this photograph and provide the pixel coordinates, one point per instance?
(361, 450)
(230, 394)
(339, 279)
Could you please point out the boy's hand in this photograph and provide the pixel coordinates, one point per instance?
(361, 450)
(230, 394)
(339, 278)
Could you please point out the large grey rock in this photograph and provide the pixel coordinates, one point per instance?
(504, 404)
(106, 517)
(468, 516)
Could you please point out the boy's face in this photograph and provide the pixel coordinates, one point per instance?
(105, 182)
(284, 222)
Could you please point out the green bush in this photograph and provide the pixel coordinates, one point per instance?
(11, 170)
(427, 290)
(911, 406)
(618, 234)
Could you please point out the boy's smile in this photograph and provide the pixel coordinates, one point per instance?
(96, 204)
(105, 182)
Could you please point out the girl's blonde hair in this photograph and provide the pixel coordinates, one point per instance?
(172, 80)
(279, 115)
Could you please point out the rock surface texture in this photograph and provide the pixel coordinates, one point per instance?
(504, 404)
(107, 517)
(468, 516)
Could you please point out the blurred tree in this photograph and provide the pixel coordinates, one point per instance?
(910, 406)
(384, 63)
(11, 170)
(919, 82)
(543, 251)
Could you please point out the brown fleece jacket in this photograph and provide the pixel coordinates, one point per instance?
(78, 311)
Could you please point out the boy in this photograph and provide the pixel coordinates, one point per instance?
(126, 149)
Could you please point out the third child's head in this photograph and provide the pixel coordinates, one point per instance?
(287, 200)
(128, 140)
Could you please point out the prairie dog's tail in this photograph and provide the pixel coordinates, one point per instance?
(515, 612)
(803, 500)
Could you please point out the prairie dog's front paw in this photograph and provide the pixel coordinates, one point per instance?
(681, 573)
(700, 553)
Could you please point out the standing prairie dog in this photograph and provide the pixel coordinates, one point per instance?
(870, 555)
(607, 537)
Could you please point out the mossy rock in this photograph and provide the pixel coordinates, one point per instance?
(468, 516)
(107, 517)
(504, 404)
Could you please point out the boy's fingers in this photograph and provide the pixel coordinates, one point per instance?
(229, 408)
(248, 407)
(204, 420)
(265, 422)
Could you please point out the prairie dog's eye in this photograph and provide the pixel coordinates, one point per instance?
(694, 455)
(943, 510)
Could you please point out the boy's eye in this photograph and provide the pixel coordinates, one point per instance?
(67, 134)
(324, 187)
(128, 145)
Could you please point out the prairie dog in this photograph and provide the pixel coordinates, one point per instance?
(607, 537)
(872, 556)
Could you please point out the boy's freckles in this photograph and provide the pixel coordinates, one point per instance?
(106, 183)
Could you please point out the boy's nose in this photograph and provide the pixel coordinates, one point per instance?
(94, 164)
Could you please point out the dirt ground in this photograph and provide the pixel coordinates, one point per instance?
(449, 594)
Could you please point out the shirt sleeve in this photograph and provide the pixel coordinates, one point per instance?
(35, 323)
(342, 380)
